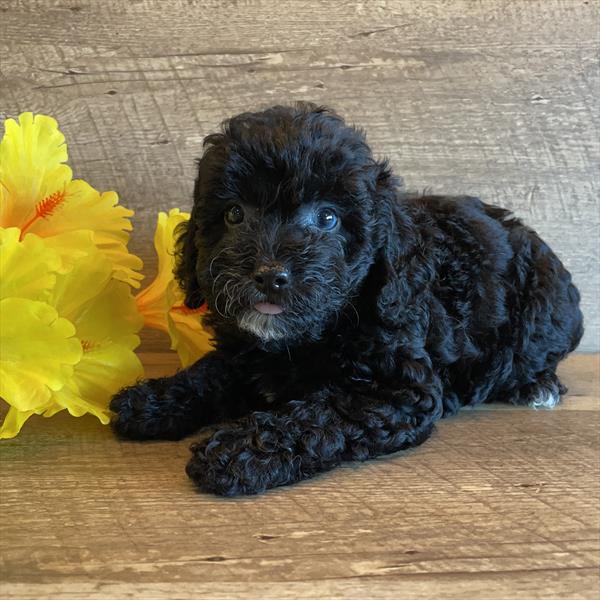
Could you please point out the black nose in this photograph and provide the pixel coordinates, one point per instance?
(271, 278)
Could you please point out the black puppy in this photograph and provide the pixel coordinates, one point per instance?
(348, 317)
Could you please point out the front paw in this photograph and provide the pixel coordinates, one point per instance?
(247, 458)
(146, 411)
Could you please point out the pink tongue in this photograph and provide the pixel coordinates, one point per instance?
(268, 309)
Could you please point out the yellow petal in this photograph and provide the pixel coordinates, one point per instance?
(38, 195)
(13, 421)
(85, 208)
(106, 320)
(88, 277)
(53, 408)
(152, 301)
(100, 307)
(98, 376)
(70, 247)
(27, 268)
(188, 337)
(161, 303)
(154, 310)
(110, 316)
(126, 266)
(31, 155)
(37, 352)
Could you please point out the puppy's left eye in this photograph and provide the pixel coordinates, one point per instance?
(234, 215)
(326, 219)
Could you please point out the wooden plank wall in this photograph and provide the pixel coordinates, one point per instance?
(493, 97)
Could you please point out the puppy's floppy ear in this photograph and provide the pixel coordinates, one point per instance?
(185, 265)
(186, 250)
(392, 238)
(390, 222)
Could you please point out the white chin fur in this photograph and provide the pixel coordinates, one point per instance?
(265, 327)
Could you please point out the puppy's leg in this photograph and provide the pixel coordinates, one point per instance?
(265, 450)
(170, 408)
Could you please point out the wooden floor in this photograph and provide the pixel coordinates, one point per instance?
(500, 502)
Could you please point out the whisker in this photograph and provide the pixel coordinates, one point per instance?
(355, 312)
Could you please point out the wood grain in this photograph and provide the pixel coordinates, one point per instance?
(496, 504)
(488, 97)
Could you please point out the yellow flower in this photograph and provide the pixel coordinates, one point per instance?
(39, 351)
(67, 338)
(162, 302)
(68, 320)
(106, 321)
(38, 194)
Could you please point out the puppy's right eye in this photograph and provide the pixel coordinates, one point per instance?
(234, 215)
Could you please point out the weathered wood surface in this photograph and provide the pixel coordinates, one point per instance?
(493, 97)
(498, 504)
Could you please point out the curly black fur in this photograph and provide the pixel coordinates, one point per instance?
(409, 309)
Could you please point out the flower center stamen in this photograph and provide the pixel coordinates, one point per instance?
(87, 345)
(45, 209)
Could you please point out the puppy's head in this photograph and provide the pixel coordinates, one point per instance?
(289, 211)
